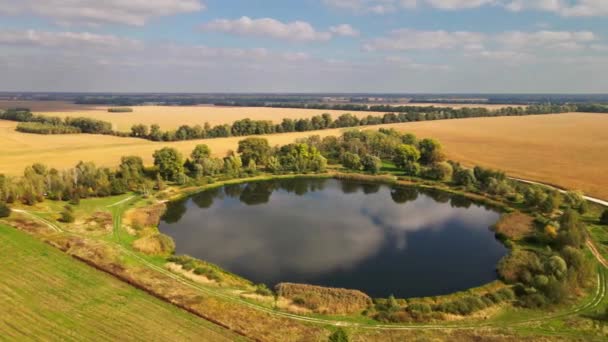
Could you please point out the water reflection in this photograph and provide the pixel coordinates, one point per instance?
(381, 240)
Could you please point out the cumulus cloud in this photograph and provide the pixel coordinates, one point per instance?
(268, 27)
(561, 7)
(344, 30)
(409, 39)
(578, 8)
(546, 39)
(132, 12)
(66, 39)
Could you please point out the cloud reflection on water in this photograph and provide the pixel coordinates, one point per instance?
(315, 233)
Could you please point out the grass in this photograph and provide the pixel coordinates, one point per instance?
(223, 304)
(47, 295)
(566, 149)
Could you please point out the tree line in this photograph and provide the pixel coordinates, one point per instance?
(539, 276)
(246, 127)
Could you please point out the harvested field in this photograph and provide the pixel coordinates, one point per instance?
(171, 117)
(567, 150)
(47, 295)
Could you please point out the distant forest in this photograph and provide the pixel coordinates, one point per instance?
(299, 100)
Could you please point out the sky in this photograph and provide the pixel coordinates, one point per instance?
(397, 46)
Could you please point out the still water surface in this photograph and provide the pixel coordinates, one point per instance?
(379, 239)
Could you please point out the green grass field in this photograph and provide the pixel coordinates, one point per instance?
(47, 295)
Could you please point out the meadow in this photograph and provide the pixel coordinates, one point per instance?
(567, 150)
(36, 306)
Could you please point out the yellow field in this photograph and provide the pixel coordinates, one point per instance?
(565, 149)
(171, 117)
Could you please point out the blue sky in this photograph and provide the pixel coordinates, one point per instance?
(411, 46)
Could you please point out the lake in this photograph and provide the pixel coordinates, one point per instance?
(376, 238)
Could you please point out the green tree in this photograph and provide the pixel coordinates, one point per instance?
(199, 153)
(155, 133)
(604, 218)
(339, 335)
(351, 161)
(140, 131)
(464, 177)
(169, 162)
(371, 164)
(67, 215)
(440, 171)
(5, 211)
(256, 149)
(406, 158)
(430, 152)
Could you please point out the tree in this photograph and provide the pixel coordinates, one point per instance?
(256, 149)
(339, 335)
(406, 158)
(371, 164)
(5, 211)
(464, 177)
(199, 153)
(430, 152)
(351, 161)
(155, 133)
(67, 215)
(604, 218)
(140, 131)
(169, 162)
(440, 171)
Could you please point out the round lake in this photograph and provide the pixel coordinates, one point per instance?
(379, 239)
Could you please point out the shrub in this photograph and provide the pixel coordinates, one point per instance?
(351, 161)
(419, 308)
(120, 110)
(604, 218)
(263, 290)
(45, 128)
(67, 215)
(5, 211)
(339, 335)
(325, 299)
(371, 164)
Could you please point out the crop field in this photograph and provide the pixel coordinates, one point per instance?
(171, 117)
(567, 150)
(47, 295)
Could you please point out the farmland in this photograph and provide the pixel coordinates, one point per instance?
(56, 297)
(170, 117)
(565, 149)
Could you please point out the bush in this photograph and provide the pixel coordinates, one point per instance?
(5, 211)
(604, 218)
(339, 335)
(120, 110)
(263, 290)
(67, 215)
(45, 128)
(351, 161)
(371, 164)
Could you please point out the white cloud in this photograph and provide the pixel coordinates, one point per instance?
(268, 27)
(130, 12)
(408, 39)
(578, 8)
(66, 39)
(546, 39)
(458, 4)
(568, 8)
(408, 63)
(344, 30)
